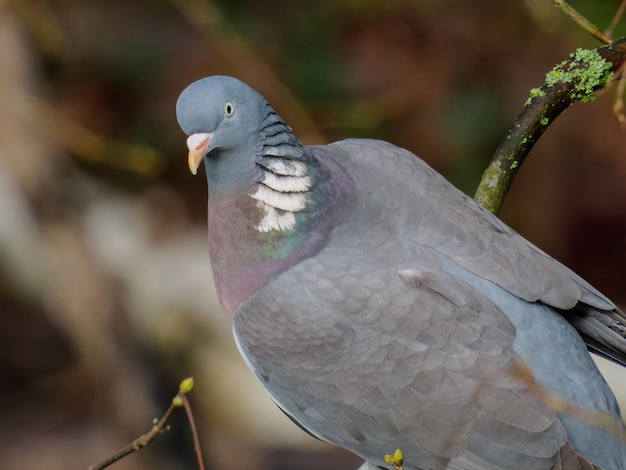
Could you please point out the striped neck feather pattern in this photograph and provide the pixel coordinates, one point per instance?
(284, 178)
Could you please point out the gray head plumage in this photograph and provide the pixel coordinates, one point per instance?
(209, 102)
(219, 113)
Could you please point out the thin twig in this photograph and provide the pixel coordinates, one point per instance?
(139, 443)
(618, 16)
(551, 400)
(618, 104)
(583, 22)
(159, 427)
(194, 432)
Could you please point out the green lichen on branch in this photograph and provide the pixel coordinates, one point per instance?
(534, 93)
(586, 69)
(573, 80)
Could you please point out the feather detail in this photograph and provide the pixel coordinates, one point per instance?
(283, 167)
(287, 184)
(275, 219)
(284, 181)
(292, 202)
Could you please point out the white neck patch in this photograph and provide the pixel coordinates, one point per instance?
(281, 195)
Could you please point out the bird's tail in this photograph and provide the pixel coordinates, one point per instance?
(604, 331)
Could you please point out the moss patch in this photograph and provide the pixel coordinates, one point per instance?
(586, 69)
(534, 93)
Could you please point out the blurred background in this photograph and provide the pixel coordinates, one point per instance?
(106, 297)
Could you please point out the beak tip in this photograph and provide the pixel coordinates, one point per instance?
(193, 161)
(198, 145)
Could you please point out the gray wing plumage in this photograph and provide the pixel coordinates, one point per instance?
(481, 243)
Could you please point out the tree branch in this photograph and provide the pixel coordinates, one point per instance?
(572, 80)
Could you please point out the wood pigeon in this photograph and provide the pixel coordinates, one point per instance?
(383, 309)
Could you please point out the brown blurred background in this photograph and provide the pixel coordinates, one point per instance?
(106, 298)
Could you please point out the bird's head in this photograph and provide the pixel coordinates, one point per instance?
(219, 114)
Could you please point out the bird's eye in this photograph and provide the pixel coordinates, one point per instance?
(229, 109)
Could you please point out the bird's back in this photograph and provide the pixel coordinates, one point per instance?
(435, 220)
